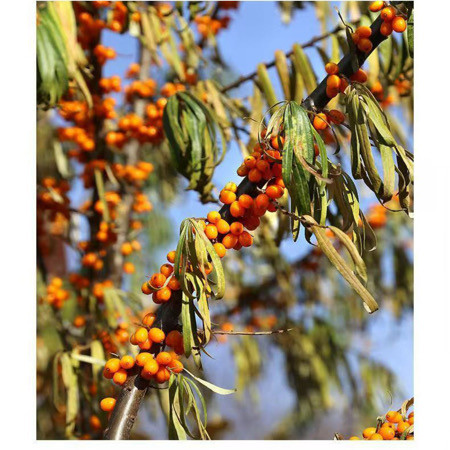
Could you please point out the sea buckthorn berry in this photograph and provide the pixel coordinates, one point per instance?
(163, 295)
(245, 201)
(331, 92)
(150, 368)
(211, 232)
(220, 249)
(157, 280)
(156, 335)
(399, 24)
(127, 362)
(213, 217)
(388, 13)
(236, 210)
(360, 76)
(250, 162)
(355, 38)
(245, 239)
(120, 377)
(331, 68)
(320, 121)
(354, 438)
(166, 270)
(223, 226)
(386, 28)
(175, 366)
(262, 201)
(149, 319)
(229, 241)
(227, 197)
(146, 289)
(174, 284)
(402, 426)
(365, 45)
(236, 228)
(255, 176)
(367, 432)
(242, 171)
(262, 165)
(376, 6)
(94, 423)
(174, 338)
(333, 81)
(79, 321)
(133, 339)
(107, 375)
(162, 375)
(128, 267)
(393, 417)
(364, 32)
(145, 345)
(376, 437)
(126, 249)
(230, 186)
(107, 404)
(112, 365)
(387, 433)
(252, 223)
(274, 191)
(171, 256)
(163, 358)
(142, 358)
(344, 85)
(141, 335)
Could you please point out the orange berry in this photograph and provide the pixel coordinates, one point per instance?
(246, 239)
(393, 417)
(213, 217)
(319, 122)
(333, 82)
(171, 256)
(150, 368)
(331, 92)
(255, 176)
(231, 187)
(141, 335)
(274, 191)
(262, 201)
(174, 284)
(166, 270)
(107, 404)
(250, 162)
(376, 437)
(399, 24)
(120, 377)
(223, 227)
(79, 321)
(376, 6)
(220, 249)
(262, 165)
(245, 201)
(386, 28)
(146, 289)
(227, 197)
(388, 13)
(149, 319)
(360, 76)
(354, 438)
(157, 280)
(402, 426)
(365, 45)
(229, 241)
(211, 232)
(162, 375)
(175, 365)
(142, 358)
(336, 116)
(156, 335)
(236, 210)
(127, 362)
(163, 295)
(126, 248)
(174, 338)
(331, 68)
(236, 228)
(128, 267)
(364, 32)
(387, 433)
(163, 358)
(367, 432)
(112, 365)
(94, 423)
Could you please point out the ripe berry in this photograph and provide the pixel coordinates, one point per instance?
(213, 217)
(150, 368)
(220, 249)
(120, 377)
(388, 13)
(319, 122)
(399, 24)
(157, 280)
(156, 335)
(331, 68)
(162, 375)
(175, 366)
(246, 239)
(149, 319)
(142, 358)
(387, 433)
(274, 191)
(230, 186)
(368, 432)
(229, 241)
(376, 437)
(364, 32)
(227, 197)
(146, 289)
(107, 404)
(236, 210)
(236, 228)
(112, 365)
(141, 335)
(376, 6)
(393, 417)
(255, 176)
(365, 45)
(245, 201)
(163, 295)
(127, 362)
(333, 82)
(166, 270)
(223, 226)
(171, 256)
(174, 338)
(386, 28)
(163, 358)
(211, 232)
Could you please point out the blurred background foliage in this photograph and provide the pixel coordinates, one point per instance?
(325, 367)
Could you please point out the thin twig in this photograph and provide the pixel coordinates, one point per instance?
(251, 333)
